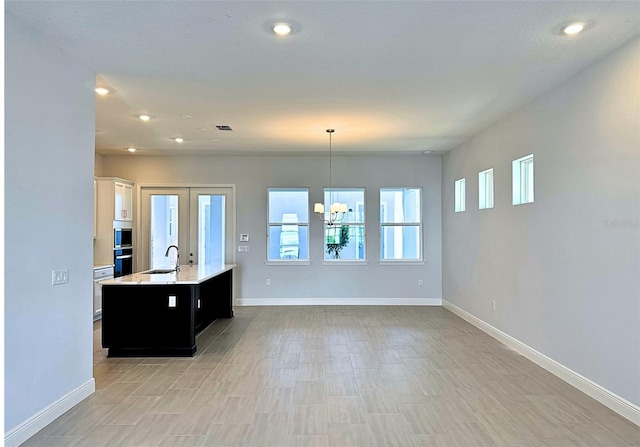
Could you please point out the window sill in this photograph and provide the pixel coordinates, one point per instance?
(401, 262)
(288, 263)
(344, 262)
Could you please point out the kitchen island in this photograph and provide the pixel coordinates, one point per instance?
(159, 313)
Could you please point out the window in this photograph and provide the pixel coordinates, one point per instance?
(485, 189)
(523, 180)
(459, 195)
(400, 224)
(288, 227)
(345, 240)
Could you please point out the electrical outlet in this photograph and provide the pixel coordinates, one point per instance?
(420, 283)
(493, 304)
(268, 281)
(244, 238)
(59, 277)
(172, 301)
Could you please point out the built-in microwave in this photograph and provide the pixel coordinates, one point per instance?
(122, 238)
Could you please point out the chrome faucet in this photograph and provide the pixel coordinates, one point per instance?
(177, 255)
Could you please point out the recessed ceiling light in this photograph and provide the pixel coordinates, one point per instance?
(102, 91)
(281, 28)
(178, 140)
(144, 117)
(573, 28)
(186, 117)
(427, 152)
(213, 139)
(202, 129)
(131, 149)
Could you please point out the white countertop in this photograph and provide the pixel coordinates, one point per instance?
(188, 274)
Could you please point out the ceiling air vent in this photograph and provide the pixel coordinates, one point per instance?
(223, 127)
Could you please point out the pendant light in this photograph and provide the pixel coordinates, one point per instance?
(337, 210)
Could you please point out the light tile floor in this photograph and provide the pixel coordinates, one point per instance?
(336, 376)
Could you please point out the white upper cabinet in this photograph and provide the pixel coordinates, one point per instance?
(114, 209)
(115, 198)
(123, 201)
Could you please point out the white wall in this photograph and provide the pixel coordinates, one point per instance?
(253, 175)
(49, 145)
(565, 270)
(98, 165)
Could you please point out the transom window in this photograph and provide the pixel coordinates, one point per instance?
(485, 189)
(288, 226)
(459, 195)
(400, 224)
(523, 180)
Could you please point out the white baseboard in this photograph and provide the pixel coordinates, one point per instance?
(339, 302)
(618, 404)
(44, 417)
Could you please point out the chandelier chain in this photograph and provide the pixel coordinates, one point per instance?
(330, 132)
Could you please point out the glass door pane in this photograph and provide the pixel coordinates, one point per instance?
(164, 229)
(164, 223)
(211, 232)
(211, 240)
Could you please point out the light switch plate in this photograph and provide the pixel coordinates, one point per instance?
(172, 301)
(243, 248)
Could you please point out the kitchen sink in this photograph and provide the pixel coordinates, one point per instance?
(159, 271)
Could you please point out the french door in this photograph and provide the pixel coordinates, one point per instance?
(199, 221)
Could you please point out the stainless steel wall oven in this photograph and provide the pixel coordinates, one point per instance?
(123, 238)
(122, 251)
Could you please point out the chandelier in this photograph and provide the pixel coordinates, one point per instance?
(337, 210)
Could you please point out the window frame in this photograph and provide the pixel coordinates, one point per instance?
(523, 180)
(363, 225)
(419, 224)
(460, 195)
(270, 224)
(485, 189)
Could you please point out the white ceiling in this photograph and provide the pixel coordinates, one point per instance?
(390, 77)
